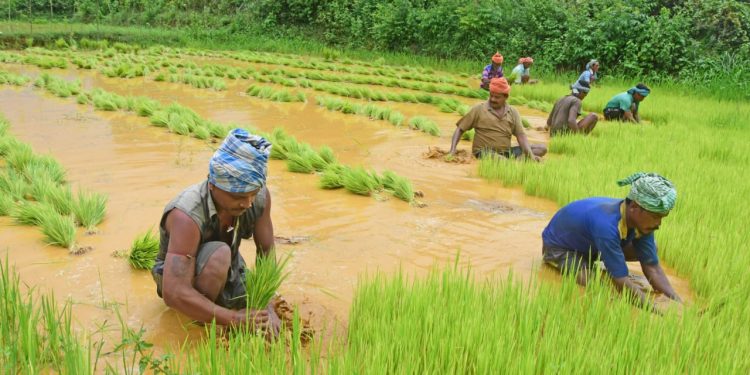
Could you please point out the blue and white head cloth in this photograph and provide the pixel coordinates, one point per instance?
(239, 165)
(580, 86)
(591, 63)
(640, 89)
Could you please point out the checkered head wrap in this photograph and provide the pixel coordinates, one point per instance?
(239, 165)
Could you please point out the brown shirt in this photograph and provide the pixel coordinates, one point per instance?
(492, 129)
(565, 110)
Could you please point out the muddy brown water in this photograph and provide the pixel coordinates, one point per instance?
(140, 168)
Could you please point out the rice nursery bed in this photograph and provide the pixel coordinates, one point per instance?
(449, 320)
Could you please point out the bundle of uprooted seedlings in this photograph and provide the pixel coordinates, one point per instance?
(399, 186)
(263, 280)
(359, 181)
(143, 251)
(424, 124)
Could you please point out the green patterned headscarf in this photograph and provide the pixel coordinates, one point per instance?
(651, 191)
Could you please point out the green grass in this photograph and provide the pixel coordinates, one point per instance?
(359, 181)
(89, 209)
(59, 230)
(400, 186)
(468, 135)
(143, 251)
(269, 93)
(264, 280)
(425, 125)
(7, 78)
(32, 213)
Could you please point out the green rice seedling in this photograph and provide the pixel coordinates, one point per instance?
(18, 156)
(177, 124)
(89, 209)
(201, 132)
(468, 135)
(44, 167)
(217, 130)
(59, 197)
(7, 78)
(83, 98)
(463, 109)
(218, 85)
(331, 178)
(160, 119)
(400, 186)
(6, 204)
(525, 122)
(143, 251)
(359, 181)
(396, 118)
(299, 163)
(31, 213)
(425, 98)
(425, 125)
(264, 280)
(14, 185)
(59, 230)
(445, 107)
(326, 153)
(145, 107)
(161, 77)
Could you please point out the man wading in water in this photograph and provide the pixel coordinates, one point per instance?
(615, 230)
(199, 270)
(494, 122)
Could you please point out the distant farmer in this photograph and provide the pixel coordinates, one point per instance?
(494, 70)
(589, 75)
(494, 123)
(199, 270)
(522, 72)
(624, 106)
(564, 116)
(616, 231)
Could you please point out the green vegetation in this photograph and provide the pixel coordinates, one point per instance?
(425, 125)
(267, 92)
(264, 280)
(57, 86)
(143, 251)
(89, 209)
(59, 230)
(7, 78)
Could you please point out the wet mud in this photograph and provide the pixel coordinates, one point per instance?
(334, 237)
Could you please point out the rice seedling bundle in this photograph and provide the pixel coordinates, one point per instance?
(217, 130)
(14, 185)
(44, 167)
(263, 280)
(59, 197)
(144, 106)
(359, 181)
(400, 186)
(31, 213)
(299, 163)
(143, 251)
(526, 124)
(468, 135)
(161, 77)
(7, 78)
(425, 125)
(326, 153)
(160, 118)
(19, 156)
(463, 109)
(8, 143)
(6, 204)
(331, 178)
(396, 118)
(89, 209)
(59, 230)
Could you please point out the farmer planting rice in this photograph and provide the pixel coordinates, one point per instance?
(624, 106)
(616, 231)
(494, 122)
(494, 70)
(589, 75)
(564, 115)
(199, 270)
(522, 72)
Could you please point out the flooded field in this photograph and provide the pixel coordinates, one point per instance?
(343, 237)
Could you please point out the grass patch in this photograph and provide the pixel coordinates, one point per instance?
(59, 230)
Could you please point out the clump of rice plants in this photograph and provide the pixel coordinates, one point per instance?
(60, 197)
(326, 153)
(58, 86)
(89, 209)
(399, 186)
(331, 178)
(7, 78)
(144, 106)
(107, 101)
(6, 204)
(31, 213)
(44, 167)
(463, 109)
(299, 163)
(425, 125)
(264, 280)
(14, 185)
(468, 135)
(359, 181)
(59, 230)
(526, 124)
(143, 251)
(270, 93)
(542, 106)
(396, 118)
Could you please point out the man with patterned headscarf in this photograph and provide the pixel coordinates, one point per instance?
(494, 122)
(492, 71)
(199, 270)
(563, 118)
(624, 106)
(615, 231)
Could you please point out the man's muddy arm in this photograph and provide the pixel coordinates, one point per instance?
(659, 281)
(263, 235)
(523, 142)
(456, 137)
(628, 116)
(179, 273)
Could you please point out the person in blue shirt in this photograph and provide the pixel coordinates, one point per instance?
(589, 75)
(615, 231)
(624, 106)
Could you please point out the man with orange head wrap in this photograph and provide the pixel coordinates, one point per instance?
(494, 70)
(494, 122)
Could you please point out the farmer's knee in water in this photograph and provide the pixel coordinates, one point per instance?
(211, 279)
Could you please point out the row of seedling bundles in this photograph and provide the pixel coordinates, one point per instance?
(33, 192)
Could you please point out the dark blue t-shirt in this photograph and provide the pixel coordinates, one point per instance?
(593, 224)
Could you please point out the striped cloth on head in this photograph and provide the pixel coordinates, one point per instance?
(239, 165)
(651, 191)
